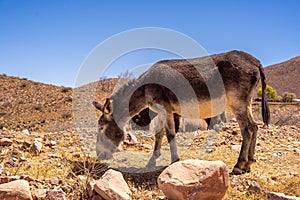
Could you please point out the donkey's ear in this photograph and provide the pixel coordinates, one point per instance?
(98, 106)
(107, 108)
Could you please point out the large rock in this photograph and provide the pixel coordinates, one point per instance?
(112, 186)
(194, 180)
(18, 189)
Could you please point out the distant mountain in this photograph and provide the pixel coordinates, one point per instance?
(285, 76)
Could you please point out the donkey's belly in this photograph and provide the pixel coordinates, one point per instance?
(204, 108)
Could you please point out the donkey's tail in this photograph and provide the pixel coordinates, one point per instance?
(265, 111)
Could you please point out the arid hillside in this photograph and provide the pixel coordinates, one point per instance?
(25, 104)
(35, 106)
(284, 77)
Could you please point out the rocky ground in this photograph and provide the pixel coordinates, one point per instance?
(40, 145)
(56, 161)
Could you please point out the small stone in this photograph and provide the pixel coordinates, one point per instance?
(236, 148)
(52, 143)
(52, 155)
(10, 163)
(40, 193)
(233, 120)
(36, 147)
(22, 159)
(296, 143)
(1, 169)
(254, 187)
(39, 139)
(294, 127)
(130, 139)
(54, 181)
(14, 159)
(296, 150)
(147, 146)
(82, 178)
(280, 196)
(26, 132)
(56, 195)
(5, 142)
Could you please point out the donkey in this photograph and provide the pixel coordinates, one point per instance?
(193, 88)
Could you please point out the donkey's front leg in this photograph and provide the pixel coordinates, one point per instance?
(157, 147)
(171, 133)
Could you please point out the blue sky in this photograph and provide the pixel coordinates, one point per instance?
(48, 40)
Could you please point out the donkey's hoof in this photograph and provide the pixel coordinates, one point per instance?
(236, 171)
(174, 161)
(246, 170)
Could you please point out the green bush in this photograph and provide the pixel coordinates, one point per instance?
(288, 97)
(270, 92)
(279, 98)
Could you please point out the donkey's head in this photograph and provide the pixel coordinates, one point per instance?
(109, 134)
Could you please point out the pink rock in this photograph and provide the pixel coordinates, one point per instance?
(112, 186)
(5, 142)
(40, 193)
(236, 148)
(18, 189)
(54, 181)
(130, 139)
(194, 180)
(56, 195)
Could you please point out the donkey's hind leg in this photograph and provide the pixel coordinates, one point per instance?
(248, 130)
(157, 147)
(252, 127)
(171, 129)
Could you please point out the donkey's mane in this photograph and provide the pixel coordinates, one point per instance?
(123, 87)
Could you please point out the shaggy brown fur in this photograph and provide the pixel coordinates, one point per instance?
(220, 81)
